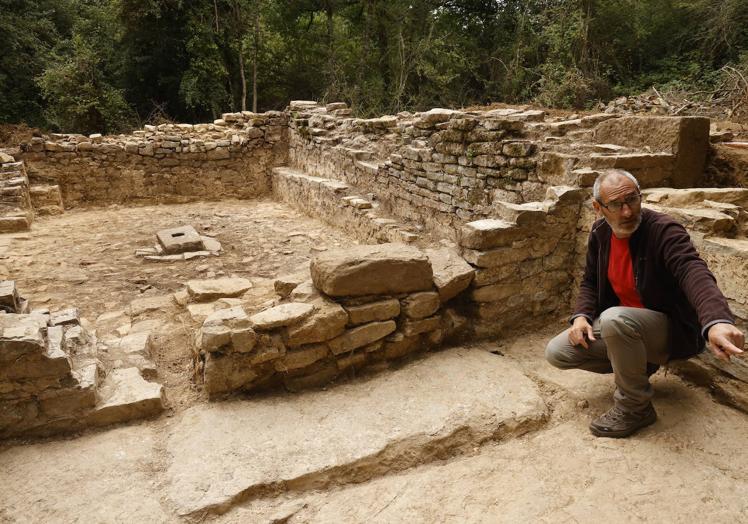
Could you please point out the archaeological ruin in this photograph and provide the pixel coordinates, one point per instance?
(432, 230)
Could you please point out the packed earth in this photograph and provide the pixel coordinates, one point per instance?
(302, 316)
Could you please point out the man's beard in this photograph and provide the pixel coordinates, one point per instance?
(630, 229)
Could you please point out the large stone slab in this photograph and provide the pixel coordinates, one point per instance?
(452, 274)
(372, 270)
(127, 396)
(488, 233)
(100, 477)
(219, 452)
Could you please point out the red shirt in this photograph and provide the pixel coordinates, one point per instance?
(621, 272)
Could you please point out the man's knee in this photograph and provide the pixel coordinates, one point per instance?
(616, 322)
(557, 354)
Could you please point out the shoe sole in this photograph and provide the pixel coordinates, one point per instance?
(601, 432)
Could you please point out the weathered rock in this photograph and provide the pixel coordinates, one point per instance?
(420, 305)
(64, 317)
(489, 233)
(398, 345)
(416, 327)
(373, 311)
(227, 373)
(199, 312)
(282, 315)
(303, 357)
(127, 396)
(326, 322)
(489, 398)
(213, 337)
(147, 304)
(180, 240)
(19, 338)
(207, 290)
(371, 270)
(452, 274)
(361, 336)
(8, 296)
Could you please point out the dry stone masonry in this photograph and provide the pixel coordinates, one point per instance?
(363, 306)
(52, 378)
(472, 224)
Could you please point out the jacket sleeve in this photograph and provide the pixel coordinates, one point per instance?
(693, 276)
(588, 289)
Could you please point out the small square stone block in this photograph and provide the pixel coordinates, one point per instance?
(179, 240)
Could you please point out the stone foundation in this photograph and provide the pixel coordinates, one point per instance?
(476, 221)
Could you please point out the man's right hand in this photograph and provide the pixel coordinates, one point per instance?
(579, 329)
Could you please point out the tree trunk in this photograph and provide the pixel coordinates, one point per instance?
(242, 75)
(256, 54)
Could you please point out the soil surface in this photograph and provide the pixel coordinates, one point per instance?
(85, 258)
(482, 433)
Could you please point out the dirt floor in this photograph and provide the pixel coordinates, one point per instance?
(85, 258)
(427, 443)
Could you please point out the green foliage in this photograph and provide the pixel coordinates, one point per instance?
(101, 65)
(80, 83)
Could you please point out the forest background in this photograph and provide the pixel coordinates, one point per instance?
(112, 65)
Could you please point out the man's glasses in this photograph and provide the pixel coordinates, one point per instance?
(617, 205)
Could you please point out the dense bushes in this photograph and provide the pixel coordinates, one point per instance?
(104, 65)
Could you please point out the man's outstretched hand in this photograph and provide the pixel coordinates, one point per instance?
(581, 327)
(725, 341)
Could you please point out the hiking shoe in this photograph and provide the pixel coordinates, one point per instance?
(617, 423)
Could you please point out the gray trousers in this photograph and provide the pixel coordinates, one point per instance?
(626, 339)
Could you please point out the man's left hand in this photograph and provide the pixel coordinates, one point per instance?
(725, 341)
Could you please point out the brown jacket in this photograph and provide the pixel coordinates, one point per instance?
(669, 274)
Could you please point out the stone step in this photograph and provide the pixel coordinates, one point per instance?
(124, 396)
(703, 220)
(222, 454)
(46, 199)
(340, 204)
(671, 197)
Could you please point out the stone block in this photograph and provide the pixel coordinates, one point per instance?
(208, 290)
(213, 337)
(282, 315)
(227, 373)
(243, 340)
(412, 328)
(370, 270)
(326, 322)
(373, 311)
(180, 240)
(452, 274)
(303, 357)
(399, 345)
(489, 233)
(126, 395)
(8, 296)
(497, 257)
(352, 361)
(147, 304)
(420, 305)
(20, 338)
(361, 336)
(65, 317)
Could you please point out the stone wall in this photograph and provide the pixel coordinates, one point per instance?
(360, 307)
(523, 262)
(230, 158)
(443, 168)
(16, 212)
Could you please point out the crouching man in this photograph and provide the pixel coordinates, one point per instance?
(646, 298)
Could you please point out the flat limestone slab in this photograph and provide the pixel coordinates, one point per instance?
(220, 453)
(103, 477)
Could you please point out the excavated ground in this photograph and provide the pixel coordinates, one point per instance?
(86, 259)
(483, 433)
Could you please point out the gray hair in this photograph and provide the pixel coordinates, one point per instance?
(607, 173)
